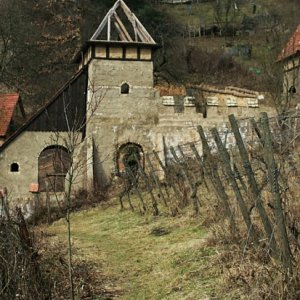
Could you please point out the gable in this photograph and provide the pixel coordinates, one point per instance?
(66, 111)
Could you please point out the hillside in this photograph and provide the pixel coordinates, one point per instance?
(230, 43)
(37, 45)
(223, 43)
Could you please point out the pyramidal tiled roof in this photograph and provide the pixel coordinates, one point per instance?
(292, 46)
(120, 24)
(8, 104)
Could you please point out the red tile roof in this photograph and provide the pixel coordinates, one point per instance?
(292, 46)
(8, 104)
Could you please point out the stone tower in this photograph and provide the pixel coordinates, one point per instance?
(121, 99)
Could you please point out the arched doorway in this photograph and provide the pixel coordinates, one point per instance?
(130, 155)
(53, 165)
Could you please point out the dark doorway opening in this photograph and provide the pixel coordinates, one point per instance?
(129, 156)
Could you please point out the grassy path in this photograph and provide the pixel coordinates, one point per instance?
(145, 257)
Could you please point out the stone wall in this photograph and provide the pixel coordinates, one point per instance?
(141, 116)
(119, 118)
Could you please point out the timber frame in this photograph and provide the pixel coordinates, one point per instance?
(141, 35)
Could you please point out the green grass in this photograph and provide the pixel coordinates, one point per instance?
(140, 263)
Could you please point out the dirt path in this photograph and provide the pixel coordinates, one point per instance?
(144, 257)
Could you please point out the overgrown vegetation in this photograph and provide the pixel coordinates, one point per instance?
(181, 250)
(256, 213)
(21, 275)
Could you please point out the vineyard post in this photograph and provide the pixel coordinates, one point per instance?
(225, 158)
(273, 174)
(256, 195)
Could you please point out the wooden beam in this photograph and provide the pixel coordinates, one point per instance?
(139, 30)
(121, 34)
(135, 32)
(145, 36)
(108, 27)
(122, 27)
(105, 20)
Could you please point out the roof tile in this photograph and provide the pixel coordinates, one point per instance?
(292, 46)
(8, 104)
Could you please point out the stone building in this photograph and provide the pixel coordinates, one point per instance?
(290, 57)
(109, 107)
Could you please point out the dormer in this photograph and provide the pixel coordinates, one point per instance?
(120, 36)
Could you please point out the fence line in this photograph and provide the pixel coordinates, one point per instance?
(252, 172)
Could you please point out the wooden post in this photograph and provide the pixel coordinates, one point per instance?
(273, 180)
(4, 203)
(193, 182)
(108, 27)
(165, 151)
(48, 202)
(201, 164)
(174, 206)
(149, 186)
(189, 174)
(156, 180)
(193, 186)
(176, 191)
(225, 158)
(135, 186)
(255, 127)
(254, 189)
(182, 171)
(217, 184)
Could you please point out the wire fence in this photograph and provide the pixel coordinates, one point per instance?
(252, 169)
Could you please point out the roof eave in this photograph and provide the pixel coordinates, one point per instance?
(287, 57)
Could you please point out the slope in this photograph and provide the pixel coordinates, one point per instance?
(144, 257)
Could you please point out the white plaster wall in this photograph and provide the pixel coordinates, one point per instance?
(25, 150)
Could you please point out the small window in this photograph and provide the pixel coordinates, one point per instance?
(292, 90)
(125, 88)
(14, 167)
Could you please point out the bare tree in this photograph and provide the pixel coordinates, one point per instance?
(224, 13)
(72, 140)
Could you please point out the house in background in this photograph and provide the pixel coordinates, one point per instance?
(11, 115)
(290, 57)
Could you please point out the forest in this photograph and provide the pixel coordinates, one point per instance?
(38, 40)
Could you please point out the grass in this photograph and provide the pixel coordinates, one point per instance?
(144, 257)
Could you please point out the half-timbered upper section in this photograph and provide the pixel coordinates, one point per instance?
(120, 36)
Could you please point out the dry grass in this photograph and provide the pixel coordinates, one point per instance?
(143, 257)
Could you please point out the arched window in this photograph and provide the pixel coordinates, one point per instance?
(125, 88)
(14, 167)
(130, 155)
(292, 90)
(53, 165)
